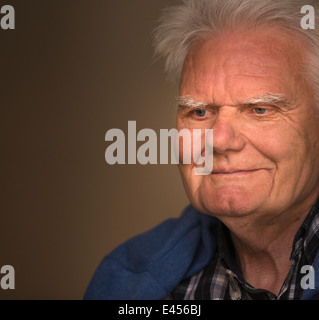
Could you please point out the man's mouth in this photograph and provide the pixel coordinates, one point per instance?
(234, 171)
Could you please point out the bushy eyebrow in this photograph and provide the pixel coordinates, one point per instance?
(267, 99)
(187, 101)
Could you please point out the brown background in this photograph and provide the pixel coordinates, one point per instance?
(70, 71)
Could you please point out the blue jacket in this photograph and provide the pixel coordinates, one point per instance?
(151, 265)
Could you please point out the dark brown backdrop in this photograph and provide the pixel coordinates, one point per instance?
(70, 71)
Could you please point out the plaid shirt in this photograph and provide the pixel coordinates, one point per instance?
(222, 279)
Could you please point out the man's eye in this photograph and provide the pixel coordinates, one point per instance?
(260, 110)
(200, 113)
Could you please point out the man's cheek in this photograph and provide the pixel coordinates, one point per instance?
(275, 145)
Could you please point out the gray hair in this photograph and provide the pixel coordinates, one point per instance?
(181, 24)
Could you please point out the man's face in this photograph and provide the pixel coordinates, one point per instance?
(265, 124)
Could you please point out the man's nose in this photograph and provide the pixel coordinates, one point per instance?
(228, 131)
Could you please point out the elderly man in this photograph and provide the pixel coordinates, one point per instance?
(249, 71)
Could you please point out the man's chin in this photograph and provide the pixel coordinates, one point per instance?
(228, 205)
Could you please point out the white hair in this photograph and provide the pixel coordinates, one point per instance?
(181, 24)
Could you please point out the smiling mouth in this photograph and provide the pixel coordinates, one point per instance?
(235, 172)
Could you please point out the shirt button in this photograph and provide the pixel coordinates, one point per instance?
(235, 295)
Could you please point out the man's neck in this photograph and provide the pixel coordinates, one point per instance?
(263, 251)
(265, 265)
